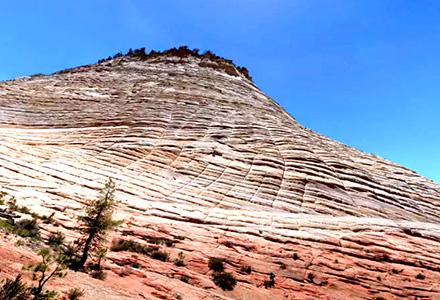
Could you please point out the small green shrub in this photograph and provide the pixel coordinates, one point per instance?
(56, 240)
(12, 203)
(216, 264)
(23, 210)
(48, 219)
(98, 274)
(156, 241)
(228, 244)
(74, 294)
(71, 251)
(28, 228)
(125, 271)
(160, 241)
(184, 278)
(159, 255)
(170, 243)
(246, 269)
(7, 225)
(14, 290)
(283, 266)
(420, 276)
(19, 243)
(136, 265)
(35, 215)
(132, 246)
(225, 280)
(3, 197)
(180, 262)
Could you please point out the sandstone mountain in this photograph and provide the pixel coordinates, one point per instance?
(198, 151)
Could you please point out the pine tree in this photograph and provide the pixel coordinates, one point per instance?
(44, 271)
(97, 221)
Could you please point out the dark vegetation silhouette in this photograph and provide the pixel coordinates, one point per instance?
(14, 289)
(225, 280)
(182, 52)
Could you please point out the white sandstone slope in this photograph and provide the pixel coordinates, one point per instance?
(196, 147)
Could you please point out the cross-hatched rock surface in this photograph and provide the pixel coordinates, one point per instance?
(197, 150)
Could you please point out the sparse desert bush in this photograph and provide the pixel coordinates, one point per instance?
(180, 261)
(155, 241)
(14, 290)
(170, 243)
(56, 240)
(132, 246)
(125, 271)
(216, 264)
(283, 266)
(72, 252)
(246, 269)
(228, 244)
(7, 225)
(159, 255)
(225, 280)
(23, 210)
(3, 197)
(28, 228)
(48, 219)
(98, 274)
(74, 294)
(12, 203)
(100, 255)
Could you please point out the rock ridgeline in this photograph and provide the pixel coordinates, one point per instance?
(197, 150)
(209, 59)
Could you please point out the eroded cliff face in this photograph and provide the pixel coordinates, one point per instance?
(197, 150)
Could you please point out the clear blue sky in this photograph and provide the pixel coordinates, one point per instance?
(365, 73)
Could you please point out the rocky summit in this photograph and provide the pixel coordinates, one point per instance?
(207, 166)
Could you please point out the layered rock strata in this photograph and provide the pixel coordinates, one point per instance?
(199, 151)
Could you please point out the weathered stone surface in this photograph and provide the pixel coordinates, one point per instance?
(200, 152)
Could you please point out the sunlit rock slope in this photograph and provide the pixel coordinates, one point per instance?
(197, 150)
